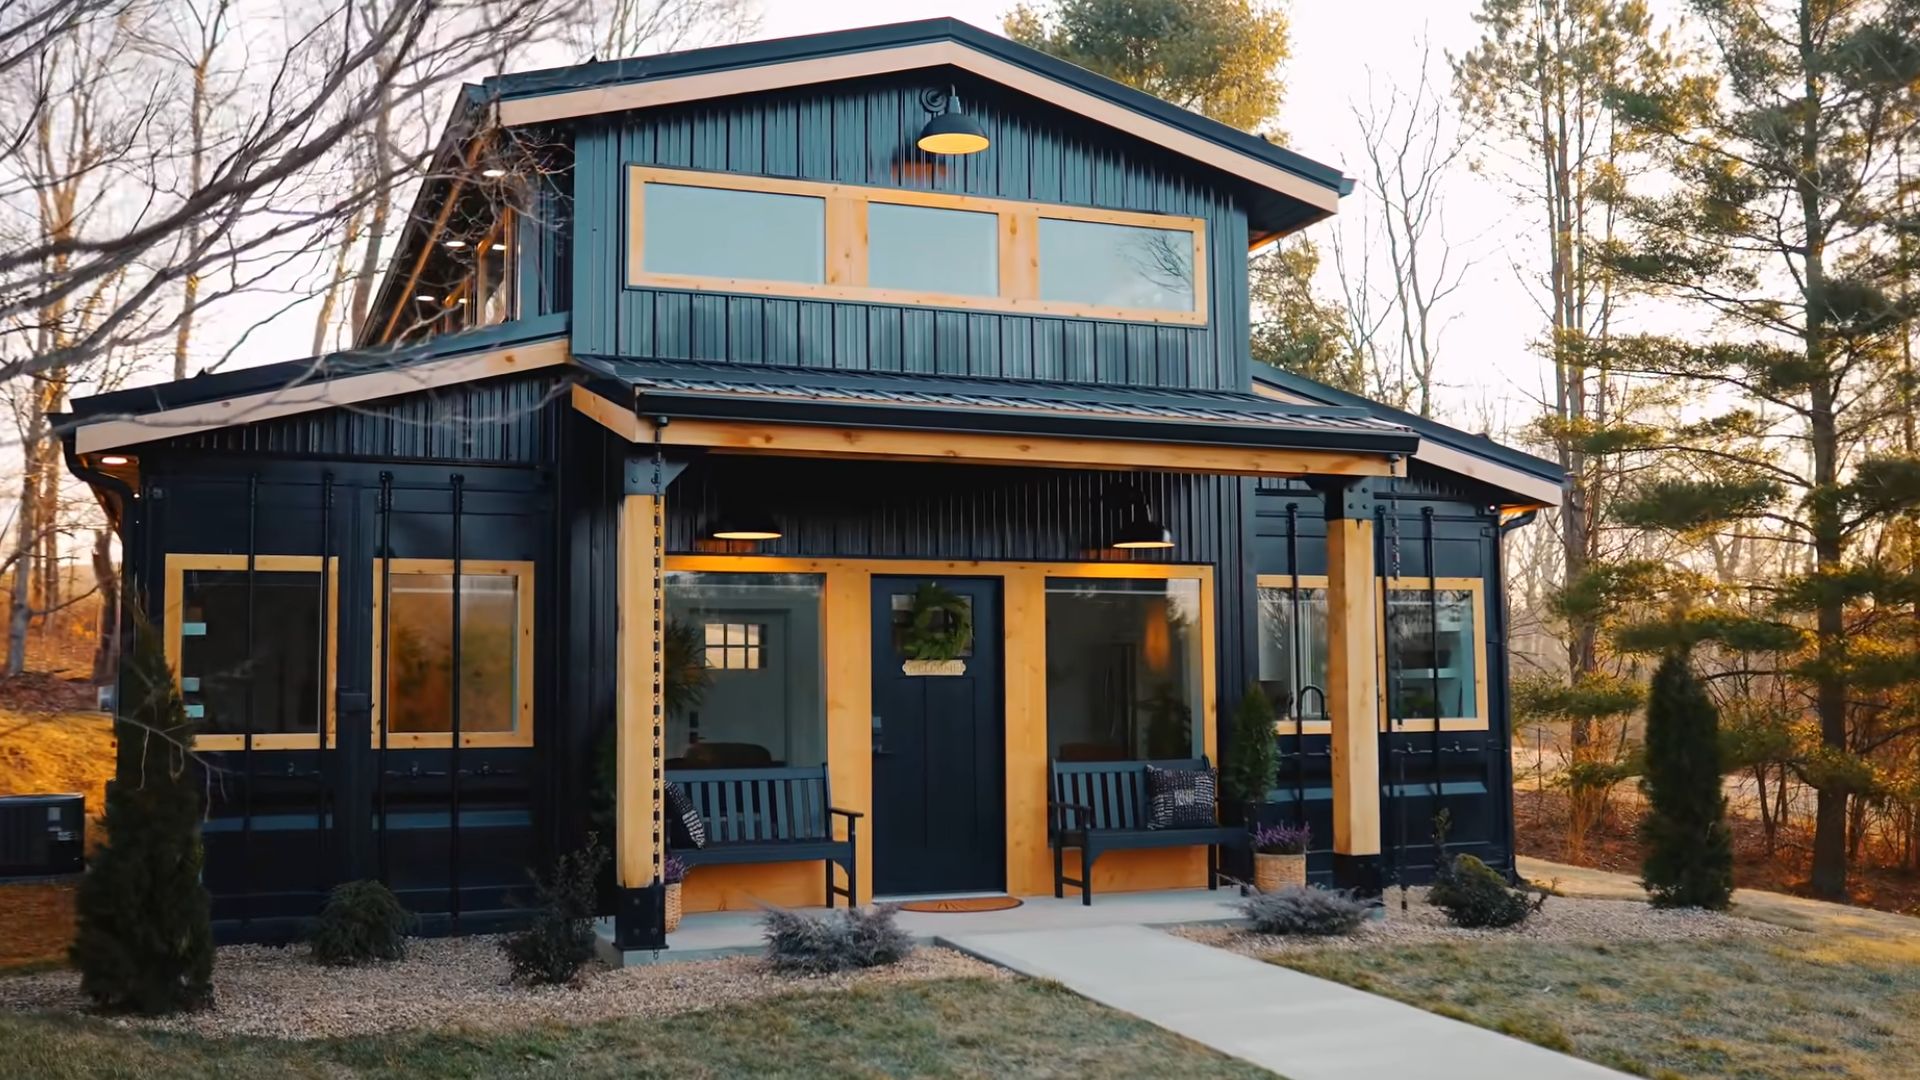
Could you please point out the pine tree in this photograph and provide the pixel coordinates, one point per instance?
(1253, 757)
(145, 940)
(1689, 850)
(1779, 215)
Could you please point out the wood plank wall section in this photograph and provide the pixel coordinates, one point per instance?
(849, 680)
(1353, 686)
(861, 132)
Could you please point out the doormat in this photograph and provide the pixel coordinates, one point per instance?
(960, 904)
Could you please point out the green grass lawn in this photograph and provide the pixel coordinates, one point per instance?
(1750, 1009)
(958, 1027)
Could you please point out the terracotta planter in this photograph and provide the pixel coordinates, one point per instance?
(673, 907)
(1271, 873)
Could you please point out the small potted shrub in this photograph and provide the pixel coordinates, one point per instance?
(1280, 856)
(674, 873)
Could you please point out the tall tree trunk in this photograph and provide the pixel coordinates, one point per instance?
(24, 545)
(106, 577)
(1829, 877)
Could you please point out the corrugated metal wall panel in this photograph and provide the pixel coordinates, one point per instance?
(505, 421)
(862, 132)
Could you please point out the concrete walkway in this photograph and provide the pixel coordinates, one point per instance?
(1781, 909)
(1299, 1026)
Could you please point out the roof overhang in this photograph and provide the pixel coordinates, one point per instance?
(188, 407)
(758, 67)
(1524, 488)
(897, 418)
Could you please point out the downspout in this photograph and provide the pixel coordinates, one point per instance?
(1519, 521)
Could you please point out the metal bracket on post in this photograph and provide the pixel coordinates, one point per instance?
(640, 920)
(1348, 498)
(637, 474)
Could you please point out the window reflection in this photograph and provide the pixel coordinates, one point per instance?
(1293, 668)
(274, 676)
(1123, 669)
(926, 249)
(751, 691)
(1120, 266)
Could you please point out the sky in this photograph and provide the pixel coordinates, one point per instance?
(1490, 377)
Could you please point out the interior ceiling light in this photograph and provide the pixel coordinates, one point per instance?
(455, 242)
(424, 298)
(493, 173)
(115, 459)
(951, 131)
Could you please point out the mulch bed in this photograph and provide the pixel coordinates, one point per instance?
(1614, 845)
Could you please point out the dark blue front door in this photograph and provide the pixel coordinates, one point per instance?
(939, 793)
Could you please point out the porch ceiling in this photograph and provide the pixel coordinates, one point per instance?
(798, 412)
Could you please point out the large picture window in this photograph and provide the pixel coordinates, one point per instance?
(1125, 678)
(253, 653)
(1433, 663)
(495, 658)
(729, 232)
(746, 670)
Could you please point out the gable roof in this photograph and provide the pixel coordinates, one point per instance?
(748, 67)
(1536, 481)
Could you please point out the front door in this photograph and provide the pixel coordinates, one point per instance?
(939, 805)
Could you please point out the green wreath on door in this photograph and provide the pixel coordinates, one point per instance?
(940, 624)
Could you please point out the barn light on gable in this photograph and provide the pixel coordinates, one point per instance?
(951, 131)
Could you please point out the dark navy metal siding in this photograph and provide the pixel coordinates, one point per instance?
(1465, 774)
(505, 421)
(862, 132)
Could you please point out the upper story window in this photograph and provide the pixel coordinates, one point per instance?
(1122, 266)
(727, 232)
(717, 233)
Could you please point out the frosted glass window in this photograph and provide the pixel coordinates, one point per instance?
(925, 249)
(1118, 266)
(715, 232)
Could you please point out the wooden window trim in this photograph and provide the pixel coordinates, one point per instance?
(1476, 586)
(173, 622)
(845, 273)
(522, 733)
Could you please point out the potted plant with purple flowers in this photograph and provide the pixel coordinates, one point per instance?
(673, 872)
(1280, 856)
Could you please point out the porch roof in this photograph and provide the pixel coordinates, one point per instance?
(683, 390)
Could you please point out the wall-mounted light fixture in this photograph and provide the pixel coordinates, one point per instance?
(1141, 531)
(951, 131)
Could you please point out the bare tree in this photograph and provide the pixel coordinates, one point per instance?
(1397, 265)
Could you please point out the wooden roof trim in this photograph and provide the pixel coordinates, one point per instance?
(320, 394)
(1538, 492)
(643, 94)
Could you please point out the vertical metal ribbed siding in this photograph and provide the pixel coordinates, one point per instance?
(862, 132)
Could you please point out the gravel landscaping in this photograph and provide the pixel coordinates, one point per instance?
(460, 984)
(1563, 919)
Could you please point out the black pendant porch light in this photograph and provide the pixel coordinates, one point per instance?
(950, 131)
(752, 525)
(1142, 531)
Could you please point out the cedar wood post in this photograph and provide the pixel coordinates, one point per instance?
(1353, 684)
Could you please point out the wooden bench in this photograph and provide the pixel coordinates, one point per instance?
(770, 816)
(1102, 806)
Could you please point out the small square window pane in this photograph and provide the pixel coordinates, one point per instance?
(716, 633)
